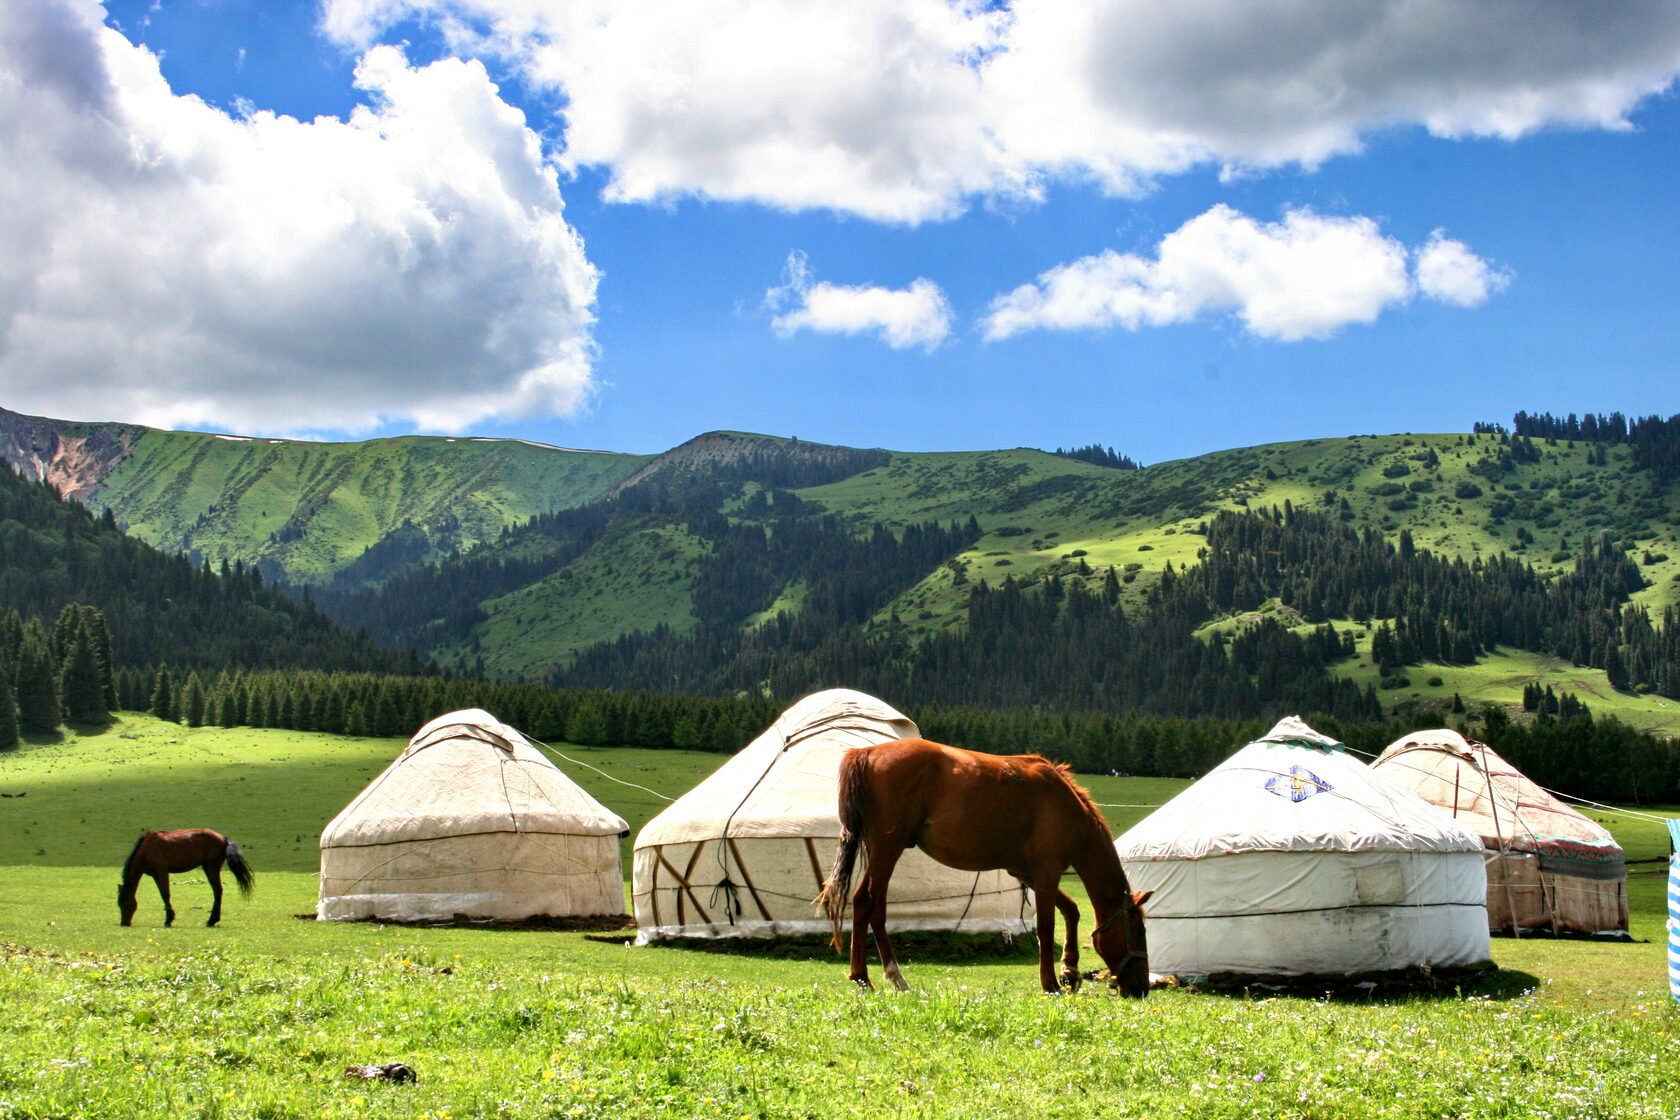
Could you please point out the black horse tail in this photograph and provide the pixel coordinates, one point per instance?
(242, 873)
(854, 821)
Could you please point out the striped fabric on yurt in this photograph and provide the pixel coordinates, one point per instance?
(1674, 910)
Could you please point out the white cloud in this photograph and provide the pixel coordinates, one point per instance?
(903, 317)
(908, 110)
(1304, 277)
(1448, 271)
(169, 263)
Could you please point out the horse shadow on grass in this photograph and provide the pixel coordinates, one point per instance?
(1488, 982)
(912, 948)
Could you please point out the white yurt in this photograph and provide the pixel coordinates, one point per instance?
(1548, 867)
(1293, 858)
(471, 821)
(743, 853)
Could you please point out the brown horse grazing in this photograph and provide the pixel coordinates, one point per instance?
(158, 854)
(981, 812)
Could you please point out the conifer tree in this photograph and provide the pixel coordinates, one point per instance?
(162, 701)
(190, 710)
(37, 682)
(1615, 669)
(10, 731)
(81, 692)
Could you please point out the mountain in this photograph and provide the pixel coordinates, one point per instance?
(302, 511)
(738, 561)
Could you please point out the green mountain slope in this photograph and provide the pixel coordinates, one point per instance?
(308, 511)
(1449, 492)
(1039, 516)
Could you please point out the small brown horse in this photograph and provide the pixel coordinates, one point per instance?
(980, 812)
(159, 854)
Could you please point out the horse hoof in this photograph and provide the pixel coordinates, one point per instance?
(1071, 981)
(901, 983)
(864, 985)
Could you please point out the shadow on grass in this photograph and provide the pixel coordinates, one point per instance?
(1399, 986)
(911, 948)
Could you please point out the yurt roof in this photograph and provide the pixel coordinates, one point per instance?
(468, 773)
(1472, 783)
(783, 782)
(1292, 790)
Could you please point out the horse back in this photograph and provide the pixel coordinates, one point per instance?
(972, 810)
(181, 849)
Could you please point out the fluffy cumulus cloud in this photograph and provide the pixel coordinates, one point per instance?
(1448, 271)
(171, 263)
(1306, 276)
(908, 110)
(902, 317)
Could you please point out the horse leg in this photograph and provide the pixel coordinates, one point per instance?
(1070, 948)
(880, 871)
(213, 872)
(862, 903)
(1045, 895)
(161, 878)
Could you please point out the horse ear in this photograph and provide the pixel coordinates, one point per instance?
(1141, 897)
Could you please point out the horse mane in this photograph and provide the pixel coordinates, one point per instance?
(133, 857)
(1064, 771)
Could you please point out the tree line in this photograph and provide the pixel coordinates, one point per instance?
(1655, 441)
(1573, 752)
(1101, 456)
(160, 607)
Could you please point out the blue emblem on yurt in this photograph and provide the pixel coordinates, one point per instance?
(1297, 784)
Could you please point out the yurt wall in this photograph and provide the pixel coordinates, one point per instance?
(471, 821)
(1549, 868)
(1293, 858)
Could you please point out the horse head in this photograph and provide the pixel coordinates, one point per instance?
(1121, 942)
(127, 903)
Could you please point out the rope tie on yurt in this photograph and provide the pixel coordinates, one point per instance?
(731, 894)
(1559, 794)
(728, 888)
(597, 770)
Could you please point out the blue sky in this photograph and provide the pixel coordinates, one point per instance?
(1312, 226)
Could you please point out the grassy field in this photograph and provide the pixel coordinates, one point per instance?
(259, 1017)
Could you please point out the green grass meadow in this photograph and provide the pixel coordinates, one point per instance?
(259, 1017)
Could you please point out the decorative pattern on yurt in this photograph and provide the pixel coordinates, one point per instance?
(471, 821)
(1292, 858)
(1549, 867)
(1674, 909)
(743, 853)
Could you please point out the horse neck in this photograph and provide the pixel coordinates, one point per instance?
(132, 869)
(1098, 866)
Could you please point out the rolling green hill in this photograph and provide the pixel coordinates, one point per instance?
(307, 511)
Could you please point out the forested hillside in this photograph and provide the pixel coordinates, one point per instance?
(157, 607)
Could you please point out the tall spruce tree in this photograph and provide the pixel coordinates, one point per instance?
(162, 701)
(37, 681)
(10, 732)
(80, 690)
